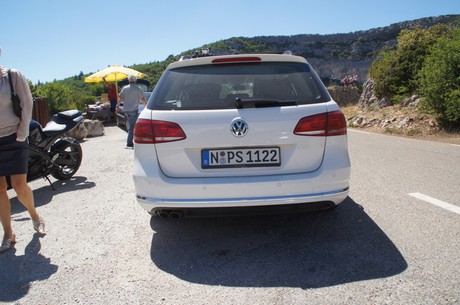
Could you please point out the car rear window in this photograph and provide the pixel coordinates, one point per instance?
(219, 86)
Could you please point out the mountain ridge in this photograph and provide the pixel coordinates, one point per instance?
(330, 54)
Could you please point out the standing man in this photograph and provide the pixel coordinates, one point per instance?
(131, 95)
(112, 95)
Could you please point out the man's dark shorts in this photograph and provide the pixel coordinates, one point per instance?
(113, 105)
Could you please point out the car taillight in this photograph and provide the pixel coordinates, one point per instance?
(152, 132)
(322, 125)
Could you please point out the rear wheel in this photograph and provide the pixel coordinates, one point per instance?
(69, 159)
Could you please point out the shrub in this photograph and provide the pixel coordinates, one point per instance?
(439, 80)
(395, 73)
(62, 97)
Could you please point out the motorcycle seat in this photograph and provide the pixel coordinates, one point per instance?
(53, 128)
(69, 114)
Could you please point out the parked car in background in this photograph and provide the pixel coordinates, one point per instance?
(144, 85)
(240, 133)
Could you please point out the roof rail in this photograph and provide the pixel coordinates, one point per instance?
(200, 53)
(207, 52)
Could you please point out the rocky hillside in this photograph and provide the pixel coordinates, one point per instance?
(399, 120)
(335, 54)
(380, 115)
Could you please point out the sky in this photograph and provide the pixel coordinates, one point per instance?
(54, 39)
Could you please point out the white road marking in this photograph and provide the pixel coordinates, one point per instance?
(437, 202)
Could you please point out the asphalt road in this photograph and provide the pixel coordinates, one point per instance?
(381, 246)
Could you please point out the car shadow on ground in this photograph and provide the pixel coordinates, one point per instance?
(45, 194)
(18, 272)
(309, 250)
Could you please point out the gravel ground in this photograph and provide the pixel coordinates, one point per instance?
(101, 247)
(94, 229)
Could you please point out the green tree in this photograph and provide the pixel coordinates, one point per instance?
(395, 73)
(62, 97)
(439, 79)
(383, 73)
(56, 94)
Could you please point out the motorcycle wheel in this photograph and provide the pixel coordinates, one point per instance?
(69, 159)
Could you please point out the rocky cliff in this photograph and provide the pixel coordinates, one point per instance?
(334, 54)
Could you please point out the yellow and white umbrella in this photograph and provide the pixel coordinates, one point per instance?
(113, 74)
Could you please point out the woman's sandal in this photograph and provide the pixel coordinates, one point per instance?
(7, 244)
(39, 225)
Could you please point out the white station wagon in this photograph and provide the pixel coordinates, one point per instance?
(240, 134)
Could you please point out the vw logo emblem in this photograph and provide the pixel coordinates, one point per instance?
(239, 127)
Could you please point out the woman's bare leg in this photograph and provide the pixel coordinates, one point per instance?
(24, 193)
(5, 210)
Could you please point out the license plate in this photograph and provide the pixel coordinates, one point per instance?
(240, 157)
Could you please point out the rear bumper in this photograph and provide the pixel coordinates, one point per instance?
(162, 192)
(315, 201)
(156, 191)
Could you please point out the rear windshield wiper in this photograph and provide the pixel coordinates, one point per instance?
(259, 103)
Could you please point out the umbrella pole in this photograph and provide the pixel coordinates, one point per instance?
(116, 86)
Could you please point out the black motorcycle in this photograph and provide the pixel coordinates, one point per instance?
(51, 152)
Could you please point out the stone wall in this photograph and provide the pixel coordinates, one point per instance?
(344, 96)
